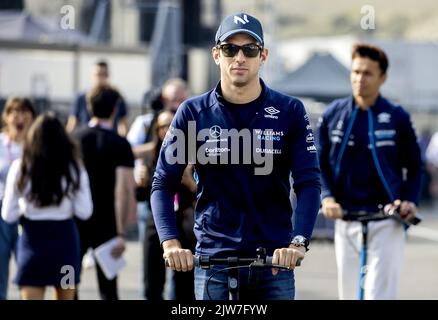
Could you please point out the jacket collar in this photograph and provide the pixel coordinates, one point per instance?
(380, 101)
(218, 97)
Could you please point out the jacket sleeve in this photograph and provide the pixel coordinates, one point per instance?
(323, 147)
(432, 150)
(167, 177)
(410, 155)
(305, 173)
(10, 208)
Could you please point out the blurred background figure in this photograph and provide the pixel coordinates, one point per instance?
(109, 162)
(432, 165)
(426, 198)
(80, 113)
(357, 140)
(174, 91)
(179, 285)
(46, 188)
(17, 117)
(141, 134)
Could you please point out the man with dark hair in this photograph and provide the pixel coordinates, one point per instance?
(102, 64)
(365, 143)
(109, 162)
(99, 98)
(243, 203)
(80, 113)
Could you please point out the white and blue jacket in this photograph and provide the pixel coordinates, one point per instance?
(238, 211)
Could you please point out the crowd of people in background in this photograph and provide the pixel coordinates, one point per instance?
(74, 186)
(146, 136)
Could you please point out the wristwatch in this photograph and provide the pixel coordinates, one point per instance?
(300, 241)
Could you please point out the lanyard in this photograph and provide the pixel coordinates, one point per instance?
(374, 154)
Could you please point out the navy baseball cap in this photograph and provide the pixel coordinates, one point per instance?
(239, 23)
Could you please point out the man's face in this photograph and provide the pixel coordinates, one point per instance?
(239, 70)
(99, 76)
(366, 77)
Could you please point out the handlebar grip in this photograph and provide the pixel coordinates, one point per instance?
(269, 261)
(196, 261)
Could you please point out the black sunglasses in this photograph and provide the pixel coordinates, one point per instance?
(250, 50)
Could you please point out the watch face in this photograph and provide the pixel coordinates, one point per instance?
(299, 241)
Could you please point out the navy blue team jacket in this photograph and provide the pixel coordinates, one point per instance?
(238, 211)
(392, 144)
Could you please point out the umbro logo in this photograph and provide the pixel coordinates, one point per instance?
(238, 19)
(271, 111)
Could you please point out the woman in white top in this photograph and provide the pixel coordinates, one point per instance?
(17, 116)
(45, 189)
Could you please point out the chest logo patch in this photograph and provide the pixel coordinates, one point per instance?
(215, 132)
(384, 117)
(271, 112)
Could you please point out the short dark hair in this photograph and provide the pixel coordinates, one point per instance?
(374, 53)
(102, 100)
(102, 64)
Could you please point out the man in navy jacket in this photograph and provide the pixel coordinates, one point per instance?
(244, 140)
(364, 144)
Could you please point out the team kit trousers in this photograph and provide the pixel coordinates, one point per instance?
(386, 240)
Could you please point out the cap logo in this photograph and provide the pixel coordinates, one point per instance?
(238, 19)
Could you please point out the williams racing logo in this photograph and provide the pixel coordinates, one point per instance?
(271, 112)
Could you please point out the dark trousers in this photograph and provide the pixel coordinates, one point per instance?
(154, 270)
(107, 288)
(184, 285)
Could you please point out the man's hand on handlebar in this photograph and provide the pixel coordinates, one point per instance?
(407, 209)
(331, 209)
(177, 258)
(287, 257)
